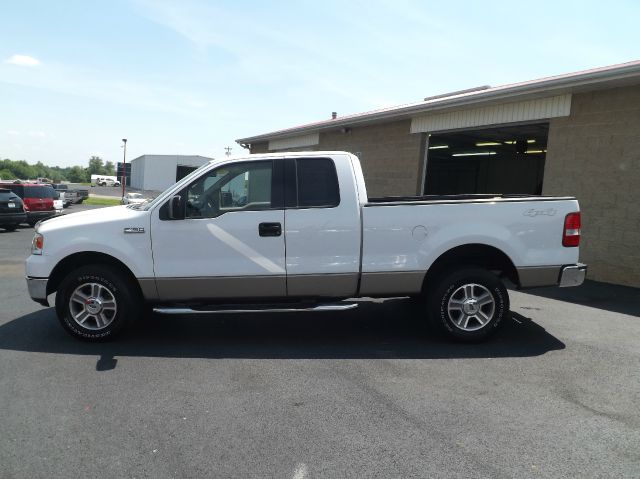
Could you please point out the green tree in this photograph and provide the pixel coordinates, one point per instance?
(6, 174)
(56, 174)
(40, 170)
(77, 174)
(96, 166)
(109, 168)
(21, 169)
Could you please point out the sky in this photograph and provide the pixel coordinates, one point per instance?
(192, 76)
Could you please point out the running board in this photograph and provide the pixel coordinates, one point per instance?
(259, 309)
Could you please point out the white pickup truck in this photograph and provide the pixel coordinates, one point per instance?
(297, 232)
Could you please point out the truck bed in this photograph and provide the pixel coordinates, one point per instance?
(527, 229)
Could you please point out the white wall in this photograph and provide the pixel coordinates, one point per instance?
(158, 172)
(137, 172)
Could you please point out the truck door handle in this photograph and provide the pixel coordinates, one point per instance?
(270, 229)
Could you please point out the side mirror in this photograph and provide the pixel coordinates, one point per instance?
(176, 211)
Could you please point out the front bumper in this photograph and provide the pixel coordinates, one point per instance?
(38, 290)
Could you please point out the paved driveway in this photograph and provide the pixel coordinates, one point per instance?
(365, 393)
(116, 191)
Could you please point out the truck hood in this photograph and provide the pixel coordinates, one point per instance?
(101, 216)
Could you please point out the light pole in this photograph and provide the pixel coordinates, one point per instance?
(124, 165)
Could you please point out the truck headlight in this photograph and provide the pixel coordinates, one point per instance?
(37, 245)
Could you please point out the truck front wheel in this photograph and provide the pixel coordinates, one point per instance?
(469, 304)
(95, 302)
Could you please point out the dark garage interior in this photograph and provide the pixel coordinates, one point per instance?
(491, 160)
(182, 171)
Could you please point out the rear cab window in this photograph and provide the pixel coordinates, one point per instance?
(317, 183)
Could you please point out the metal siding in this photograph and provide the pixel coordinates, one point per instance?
(295, 142)
(137, 172)
(538, 109)
(158, 172)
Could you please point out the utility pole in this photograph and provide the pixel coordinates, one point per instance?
(228, 148)
(124, 165)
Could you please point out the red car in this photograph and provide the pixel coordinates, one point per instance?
(37, 199)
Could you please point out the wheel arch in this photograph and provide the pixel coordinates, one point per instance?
(476, 254)
(74, 261)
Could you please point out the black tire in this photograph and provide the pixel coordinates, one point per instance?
(113, 287)
(459, 305)
(10, 227)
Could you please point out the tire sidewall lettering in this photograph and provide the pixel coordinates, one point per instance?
(111, 280)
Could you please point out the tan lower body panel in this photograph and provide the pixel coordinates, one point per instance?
(397, 282)
(148, 287)
(323, 285)
(311, 285)
(536, 276)
(184, 289)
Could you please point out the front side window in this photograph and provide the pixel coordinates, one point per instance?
(237, 187)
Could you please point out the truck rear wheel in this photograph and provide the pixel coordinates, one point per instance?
(468, 304)
(95, 302)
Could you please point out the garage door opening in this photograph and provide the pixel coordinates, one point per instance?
(182, 171)
(507, 160)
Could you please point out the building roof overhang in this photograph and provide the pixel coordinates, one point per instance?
(623, 74)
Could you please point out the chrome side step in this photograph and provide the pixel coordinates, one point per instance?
(294, 308)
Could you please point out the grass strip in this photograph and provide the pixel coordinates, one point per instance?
(102, 201)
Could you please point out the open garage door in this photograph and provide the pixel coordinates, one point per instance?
(182, 171)
(507, 159)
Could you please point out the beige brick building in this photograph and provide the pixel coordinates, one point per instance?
(576, 134)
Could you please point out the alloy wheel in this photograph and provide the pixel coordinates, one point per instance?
(471, 307)
(93, 306)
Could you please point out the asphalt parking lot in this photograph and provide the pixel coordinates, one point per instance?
(116, 191)
(363, 393)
